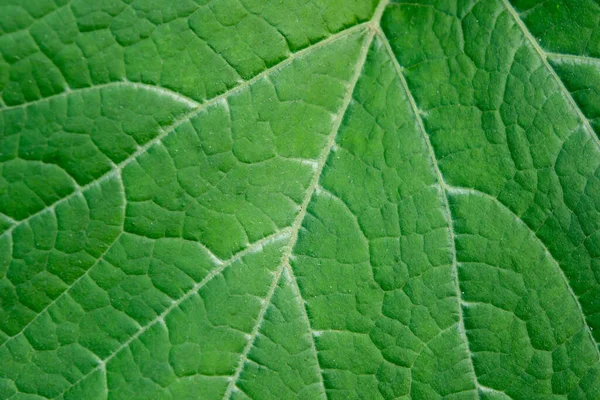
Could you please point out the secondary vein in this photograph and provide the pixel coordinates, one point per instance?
(576, 59)
(136, 85)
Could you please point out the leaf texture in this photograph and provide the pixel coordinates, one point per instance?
(250, 199)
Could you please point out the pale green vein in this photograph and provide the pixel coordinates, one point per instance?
(216, 261)
(324, 192)
(65, 292)
(493, 392)
(296, 290)
(443, 188)
(124, 83)
(214, 101)
(111, 173)
(39, 18)
(376, 19)
(255, 247)
(544, 57)
(576, 59)
(302, 213)
(9, 219)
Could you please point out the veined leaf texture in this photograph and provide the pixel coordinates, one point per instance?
(292, 199)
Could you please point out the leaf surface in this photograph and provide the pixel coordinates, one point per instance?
(333, 199)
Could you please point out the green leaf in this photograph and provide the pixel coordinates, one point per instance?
(252, 199)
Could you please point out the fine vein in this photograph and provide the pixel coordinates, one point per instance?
(86, 273)
(313, 346)
(586, 123)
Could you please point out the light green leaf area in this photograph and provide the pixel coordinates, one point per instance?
(267, 199)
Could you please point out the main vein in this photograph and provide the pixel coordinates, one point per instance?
(293, 231)
(285, 262)
(443, 189)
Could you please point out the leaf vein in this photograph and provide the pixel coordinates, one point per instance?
(443, 188)
(303, 209)
(475, 192)
(577, 59)
(86, 273)
(216, 100)
(544, 57)
(137, 85)
(215, 272)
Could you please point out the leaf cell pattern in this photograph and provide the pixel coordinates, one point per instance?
(251, 199)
